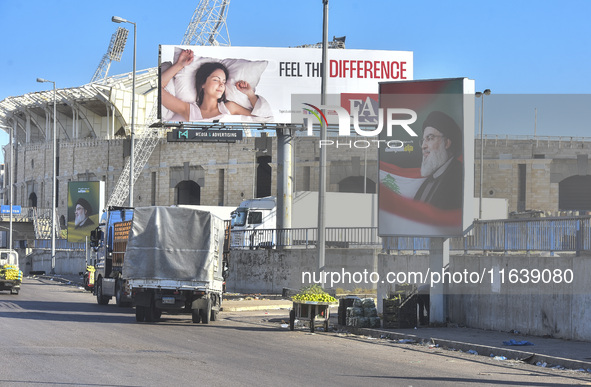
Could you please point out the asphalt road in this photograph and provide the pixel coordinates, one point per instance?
(55, 334)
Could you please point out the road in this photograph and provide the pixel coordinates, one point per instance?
(56, 335)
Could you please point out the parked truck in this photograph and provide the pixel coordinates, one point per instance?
(10, 275)
(109, 242)
(174, 263)
(254, 219)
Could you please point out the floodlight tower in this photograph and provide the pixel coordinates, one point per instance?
(114, 52)
(208, 25)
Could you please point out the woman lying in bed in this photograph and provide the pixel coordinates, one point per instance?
(211, 103)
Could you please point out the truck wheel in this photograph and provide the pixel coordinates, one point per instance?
(140, 313)
(13, 291)
(100, 299)
(206, 313)
(196, 316)
(214, 315)
(152, 313)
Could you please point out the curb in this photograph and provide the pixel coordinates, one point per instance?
(61, 280)
(235, 307)
(482, 350)
(252, 308)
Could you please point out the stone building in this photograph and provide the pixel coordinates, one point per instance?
(548, 174)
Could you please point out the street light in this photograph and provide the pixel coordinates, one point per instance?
(481, 95)
(117, 19)
(53, 187)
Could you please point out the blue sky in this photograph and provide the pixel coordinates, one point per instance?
(513, 47)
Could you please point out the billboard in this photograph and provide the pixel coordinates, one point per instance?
(427, 177)
(85, 206)
(256, 84)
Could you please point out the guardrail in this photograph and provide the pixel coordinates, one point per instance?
(541, 234)
(60, 245)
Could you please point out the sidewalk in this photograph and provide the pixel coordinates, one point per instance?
(546, 352)
(553, 352)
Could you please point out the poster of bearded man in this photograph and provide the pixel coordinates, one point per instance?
(426, 186)
(85, 206)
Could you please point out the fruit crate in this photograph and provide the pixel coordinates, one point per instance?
(314, 312)
(400, 313)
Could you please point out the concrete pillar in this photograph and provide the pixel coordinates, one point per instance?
(438, 260)
(284, 181)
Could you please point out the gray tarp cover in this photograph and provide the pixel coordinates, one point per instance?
(172, 243)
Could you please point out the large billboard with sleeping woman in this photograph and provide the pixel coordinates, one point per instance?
(256, 84)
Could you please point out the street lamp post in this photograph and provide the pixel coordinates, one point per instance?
(323, 158)
(54, 184)
(117, 19)
(481, 95)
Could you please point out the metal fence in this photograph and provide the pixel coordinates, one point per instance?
(60, 245)
(541, 234)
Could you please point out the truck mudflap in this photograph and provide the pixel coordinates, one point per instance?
(108, 286)
(201, 303)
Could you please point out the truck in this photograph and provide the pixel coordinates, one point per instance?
(109, 242)
(174, 263)
(254, 220)
(10, 275)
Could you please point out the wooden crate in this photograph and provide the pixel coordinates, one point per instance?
(399, 314)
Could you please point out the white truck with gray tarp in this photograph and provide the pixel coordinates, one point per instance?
(174, 263)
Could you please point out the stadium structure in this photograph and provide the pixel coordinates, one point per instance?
(93, 127)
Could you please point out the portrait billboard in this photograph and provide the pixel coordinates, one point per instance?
(427, 177)
(85, 206)
(260, 81)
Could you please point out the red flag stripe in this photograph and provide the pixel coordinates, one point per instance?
(416, 210)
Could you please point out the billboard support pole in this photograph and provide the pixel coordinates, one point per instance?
(284, 186)
(10, 197)
(438, 261)
(322, 161)
(54, 183)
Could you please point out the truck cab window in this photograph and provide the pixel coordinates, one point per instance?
(239, 218)
(255, 217)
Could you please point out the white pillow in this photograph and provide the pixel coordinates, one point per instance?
(166, 114)
(239, 70)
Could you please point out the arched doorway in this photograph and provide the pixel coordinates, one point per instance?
(355, 184)
(33, 199)
(187, 192)
(574, 193)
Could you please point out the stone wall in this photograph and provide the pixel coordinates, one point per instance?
(553, 308)
(269, 271)
(547, 162)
